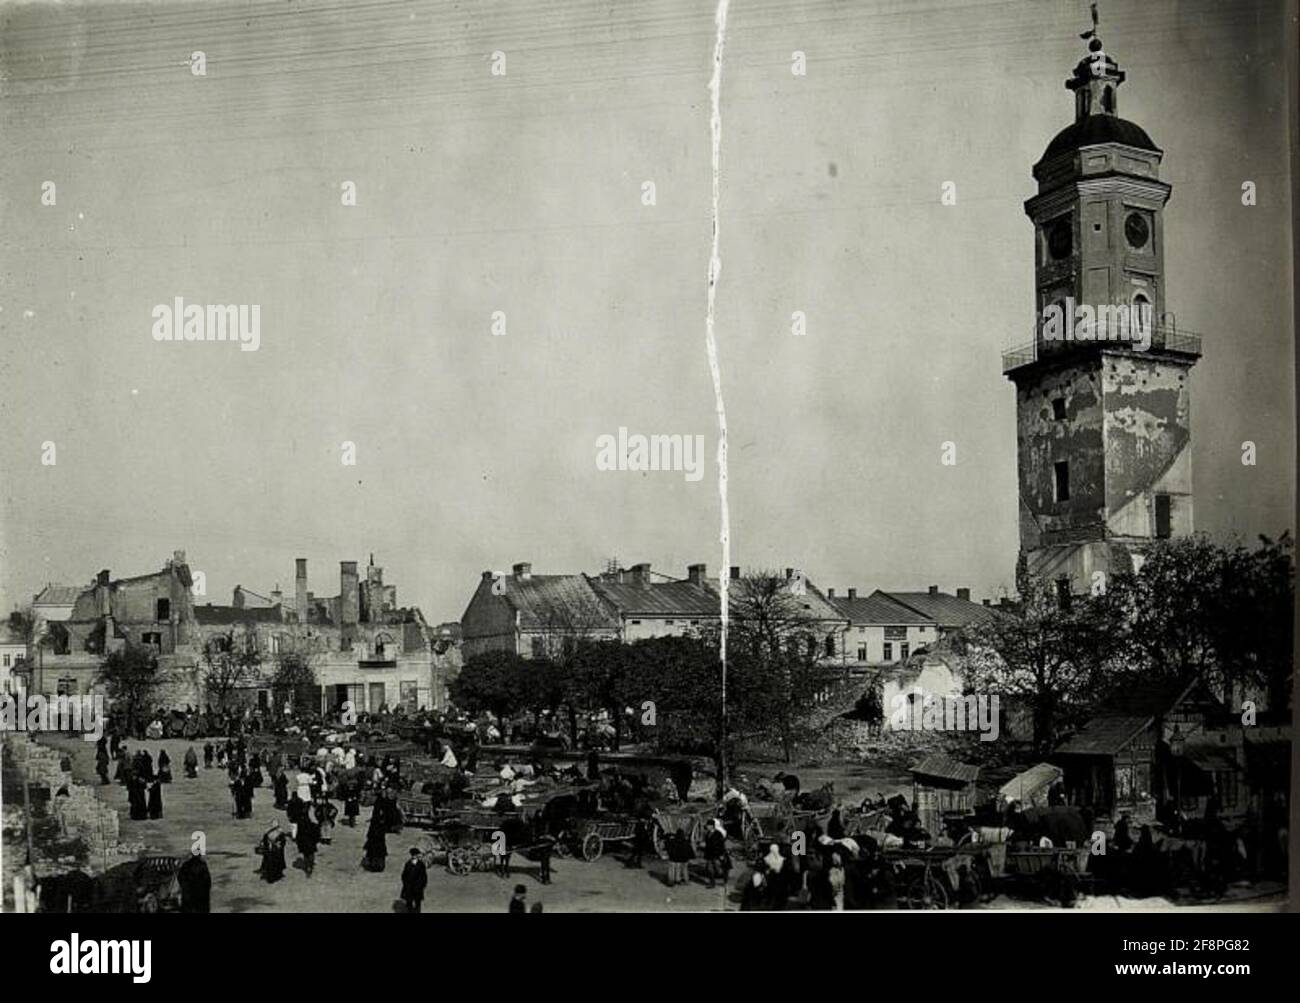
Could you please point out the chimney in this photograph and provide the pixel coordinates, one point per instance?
(523, 571)
(237, 598)
(277, 597)
(103, 577)
(300, 594)
(696, 573)
(830, 593)
(853, 593)
(934, 590)
(489, 575)
(789, 573)
(178, 557)
(963, 594)
(349, 597)
(987, 603)
(641, 575)
(735, 573)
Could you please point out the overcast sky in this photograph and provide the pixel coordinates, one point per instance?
(522, 193)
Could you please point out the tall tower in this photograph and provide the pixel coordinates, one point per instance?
(1102, 396)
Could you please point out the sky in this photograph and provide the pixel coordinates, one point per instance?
(523, 194)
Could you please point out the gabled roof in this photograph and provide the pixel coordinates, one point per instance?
(944, 609)
(1024, 786)
(557, 602)
(878, 609)
(669, 598)
(939, 767)
(58, 595)
(1104, 735)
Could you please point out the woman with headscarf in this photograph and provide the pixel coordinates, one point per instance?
(308, 839)
(191, 763)
(155, 799)
(778, 877)
(280, 784)
(255, 770)
(835, 825)
(272, 850)
(716, 864)
(164, 767)
(137, 798)
(208, 754)
(102, 760)
(835, 876)
(376, 846)
(351, 801)
(120, 773)
(754, 897)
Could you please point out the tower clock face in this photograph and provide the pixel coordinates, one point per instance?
(1060, 239)
(1137, 230)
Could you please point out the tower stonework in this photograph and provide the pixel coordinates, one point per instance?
(1102, 393)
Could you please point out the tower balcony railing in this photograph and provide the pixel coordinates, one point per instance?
(1164, 338)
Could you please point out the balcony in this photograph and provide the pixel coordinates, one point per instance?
(1164, 338)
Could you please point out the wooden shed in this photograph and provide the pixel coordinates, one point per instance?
(942, 788)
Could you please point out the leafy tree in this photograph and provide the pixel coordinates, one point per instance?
(231, 661)
(490, 681)
(295, 679)
(1050, 653)
(132, 679)
(1224, 614)
(600, 678)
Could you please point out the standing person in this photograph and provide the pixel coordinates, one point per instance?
(519, 901)
(272, 849)
(155, 799)
(836, 878)
(280, 784)
(208, 753)
(715, 853)
(102, 760)
(308, 840)
(325, 814)
(137, 797)
(680, 855)
(164, 767)
(351, 801)
(545, 847)
(376, 846)
(754, 897)
(196, 884)
(415, 878)
(191, 763)
(120, 773)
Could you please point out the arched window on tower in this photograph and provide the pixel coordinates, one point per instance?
(1108, 100)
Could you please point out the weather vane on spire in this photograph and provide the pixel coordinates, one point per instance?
(1092, 32)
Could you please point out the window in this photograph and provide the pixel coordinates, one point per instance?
(151, 637)
(1058, 408)
(163, 609)
(636, 623)
(1062, 471)
(889, 652)
(1063, 592)
(539, 646)
(7, 657)
(668, 623)
(275, 644)
(862, 652)
(904, 650)
(1108, 100)
(1163, 513)
(830, 645)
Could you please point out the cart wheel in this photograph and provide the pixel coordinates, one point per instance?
(660, 842)
(591, 847)
(460, 861)
(564, 845)
(750, 830)
(926, 892)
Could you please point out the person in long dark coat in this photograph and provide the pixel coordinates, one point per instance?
(272, 848)
(308, 840)
(155, 799)
(164, 767)
(255, 770)
(280, 784)
(415, 878)
(191, 763)
(120, 774)
(102, 760)
(208, 754)
(196, 884)
(114, 740)
(376, 846)
(351, 802)
(137, 797)
(144, 764)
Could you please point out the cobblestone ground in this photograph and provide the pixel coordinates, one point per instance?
(339, 884)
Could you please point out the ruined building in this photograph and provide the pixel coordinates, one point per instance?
(1102, 416)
